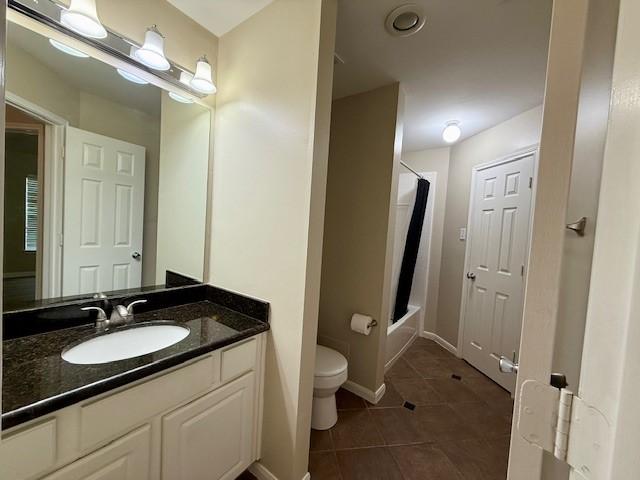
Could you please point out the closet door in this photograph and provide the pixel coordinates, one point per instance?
(211, 438)
(125, 459)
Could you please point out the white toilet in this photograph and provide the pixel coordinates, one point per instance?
(330, 374)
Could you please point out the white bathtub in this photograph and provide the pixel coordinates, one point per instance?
(401, 334)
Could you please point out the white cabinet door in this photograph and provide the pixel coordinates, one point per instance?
(212, 437)
(125, 459)
(103, 213)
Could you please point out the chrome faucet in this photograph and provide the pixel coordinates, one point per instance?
(120, 315)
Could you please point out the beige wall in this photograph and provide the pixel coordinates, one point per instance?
(272, 114)
(181, 212)
(358, 238)
(433, 160)
(514, 134)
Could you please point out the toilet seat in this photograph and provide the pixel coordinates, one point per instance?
(329, 363)
(330, 369)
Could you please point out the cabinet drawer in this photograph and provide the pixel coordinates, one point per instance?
(125, 459)
(118, 413)
(238, 359)
(26, 453)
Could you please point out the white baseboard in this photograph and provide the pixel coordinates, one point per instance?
(369, 395)
(440, 341)
(395, 358)
(263, 473)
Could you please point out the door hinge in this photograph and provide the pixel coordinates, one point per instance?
(560, 422)
(522, 271)
(530, 182)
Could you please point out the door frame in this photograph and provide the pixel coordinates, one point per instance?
(53, 192)
(517, 155)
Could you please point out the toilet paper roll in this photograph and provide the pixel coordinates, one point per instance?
(361, 323)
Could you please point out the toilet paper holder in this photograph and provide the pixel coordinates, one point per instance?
(374, 323)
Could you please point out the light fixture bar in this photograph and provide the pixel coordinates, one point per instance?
(47, 12)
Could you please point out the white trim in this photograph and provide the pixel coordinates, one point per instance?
(517, 155)
(406, 346)
(263, 473)
(369, 395)
(442, 342)
(53, 190)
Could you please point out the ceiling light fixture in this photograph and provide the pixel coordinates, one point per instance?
(131, 77)
(451, 132)
(180, 98)
(202, 81)
(82, 18)
(151, 53)
(405, 20)
(67, 49)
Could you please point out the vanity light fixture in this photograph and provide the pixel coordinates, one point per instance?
(201, 81)
(67, 49)
(451, 132)
(131, 77)
(185, 78)
(82, 18)
(180, 98)
(152, 52)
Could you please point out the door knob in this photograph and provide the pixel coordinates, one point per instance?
(507, 366)
(136, 255)
(471, 276)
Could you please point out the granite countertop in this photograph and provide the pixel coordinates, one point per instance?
(37, 381)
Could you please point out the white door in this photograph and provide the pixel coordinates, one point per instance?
(500, 213)
(211, 438)
(103, 213)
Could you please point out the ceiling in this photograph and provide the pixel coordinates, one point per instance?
(86, 74)
(476, 61)
(220, 16)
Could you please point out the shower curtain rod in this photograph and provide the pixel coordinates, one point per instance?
(411, 170)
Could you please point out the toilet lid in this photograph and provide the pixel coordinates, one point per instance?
(329, 362)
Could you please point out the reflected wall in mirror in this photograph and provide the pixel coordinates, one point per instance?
(105, 181)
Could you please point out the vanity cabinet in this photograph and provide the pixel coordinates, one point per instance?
(212, 437)
(200, 420)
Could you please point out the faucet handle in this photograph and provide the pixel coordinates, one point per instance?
(101, 315)
(132, 304)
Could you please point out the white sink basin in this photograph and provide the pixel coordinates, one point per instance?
(125, 343)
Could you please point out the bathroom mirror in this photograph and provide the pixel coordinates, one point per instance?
(104, 175)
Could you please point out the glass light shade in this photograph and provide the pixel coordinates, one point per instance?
(180, 98)
(152, 52)
(67, 49)
(131, 77)
(82, 18)
(201, 81)
(451, 132)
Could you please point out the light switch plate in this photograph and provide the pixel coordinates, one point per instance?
(463, 233)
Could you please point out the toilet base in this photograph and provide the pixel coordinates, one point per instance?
(324, 413)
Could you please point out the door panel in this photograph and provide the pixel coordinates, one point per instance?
(125, 459)
(103, 213)
(499, 229)
(192, 445)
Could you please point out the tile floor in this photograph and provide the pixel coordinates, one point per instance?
(459, 429)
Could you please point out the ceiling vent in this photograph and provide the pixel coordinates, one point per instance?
(405, 20)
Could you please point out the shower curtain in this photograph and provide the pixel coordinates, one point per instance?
(411, 248)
